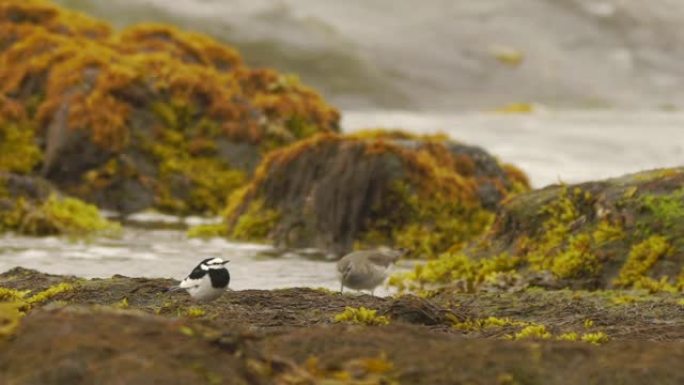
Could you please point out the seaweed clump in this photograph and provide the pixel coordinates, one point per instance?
(338, 192)
(150, 116)
(362, 316)
(619, 233)
(31, 206)
(14, 304)
(18, 151)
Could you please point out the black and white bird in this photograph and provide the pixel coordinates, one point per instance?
(207, 281)
(366, 269)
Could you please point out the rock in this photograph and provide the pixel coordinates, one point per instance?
(162, 352)
(618, 233)
(31, 188)
(419, 311)
(622, 232)
(375, 188)
(19, 152)
(147, 117)
(31, 205)
(120, 329)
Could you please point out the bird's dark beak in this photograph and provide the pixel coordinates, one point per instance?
(224, 262)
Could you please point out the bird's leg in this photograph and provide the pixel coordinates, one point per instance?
(341, 288)
(373, 292)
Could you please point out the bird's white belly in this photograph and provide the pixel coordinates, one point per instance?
(365, 279)
(203, 291)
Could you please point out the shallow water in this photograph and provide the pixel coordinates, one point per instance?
(163, 253)
(570, 146)
(167, 253)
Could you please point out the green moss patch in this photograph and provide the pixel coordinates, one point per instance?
(31, 212)
(623, 232)
(19, 152)
(15, 303)
(361, 316)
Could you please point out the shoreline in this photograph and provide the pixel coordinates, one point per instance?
(290, 336)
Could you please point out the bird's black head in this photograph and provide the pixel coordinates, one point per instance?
(207, 265)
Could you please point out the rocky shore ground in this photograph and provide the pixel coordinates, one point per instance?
(132, 331)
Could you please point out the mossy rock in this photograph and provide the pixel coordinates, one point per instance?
(618, 233)
(336, 192)
(150, 116)
(32, 206)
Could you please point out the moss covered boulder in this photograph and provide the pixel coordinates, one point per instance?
(150, 116)
(30, 205)
(624, 232)
(335, 192)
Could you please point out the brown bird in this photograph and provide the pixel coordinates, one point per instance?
(366, 269)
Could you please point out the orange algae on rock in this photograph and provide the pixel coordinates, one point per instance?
(112, 95)
(18, 151)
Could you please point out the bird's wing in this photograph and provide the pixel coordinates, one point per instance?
(194, 278)
(197, 273)
(382, 259)
(188, 283)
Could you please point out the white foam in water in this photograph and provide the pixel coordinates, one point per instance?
(195, 221)
(103, 251)
(33, 254)
(150, 216)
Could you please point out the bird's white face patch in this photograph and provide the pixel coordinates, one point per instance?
(216, 263)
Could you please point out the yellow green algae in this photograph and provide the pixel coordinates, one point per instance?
(52, 214)
(361, 316)
(372, 370)
(49, 293)
(595, 338)
(570, 315)
(512, 329)
(641, 259)
(429, 195)
(15, 303)
(156, 103)
(256, 223)
(194, 312)
(532, 331)
(617, 233)
(207, 231)
(18, 150)
(10, 317)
